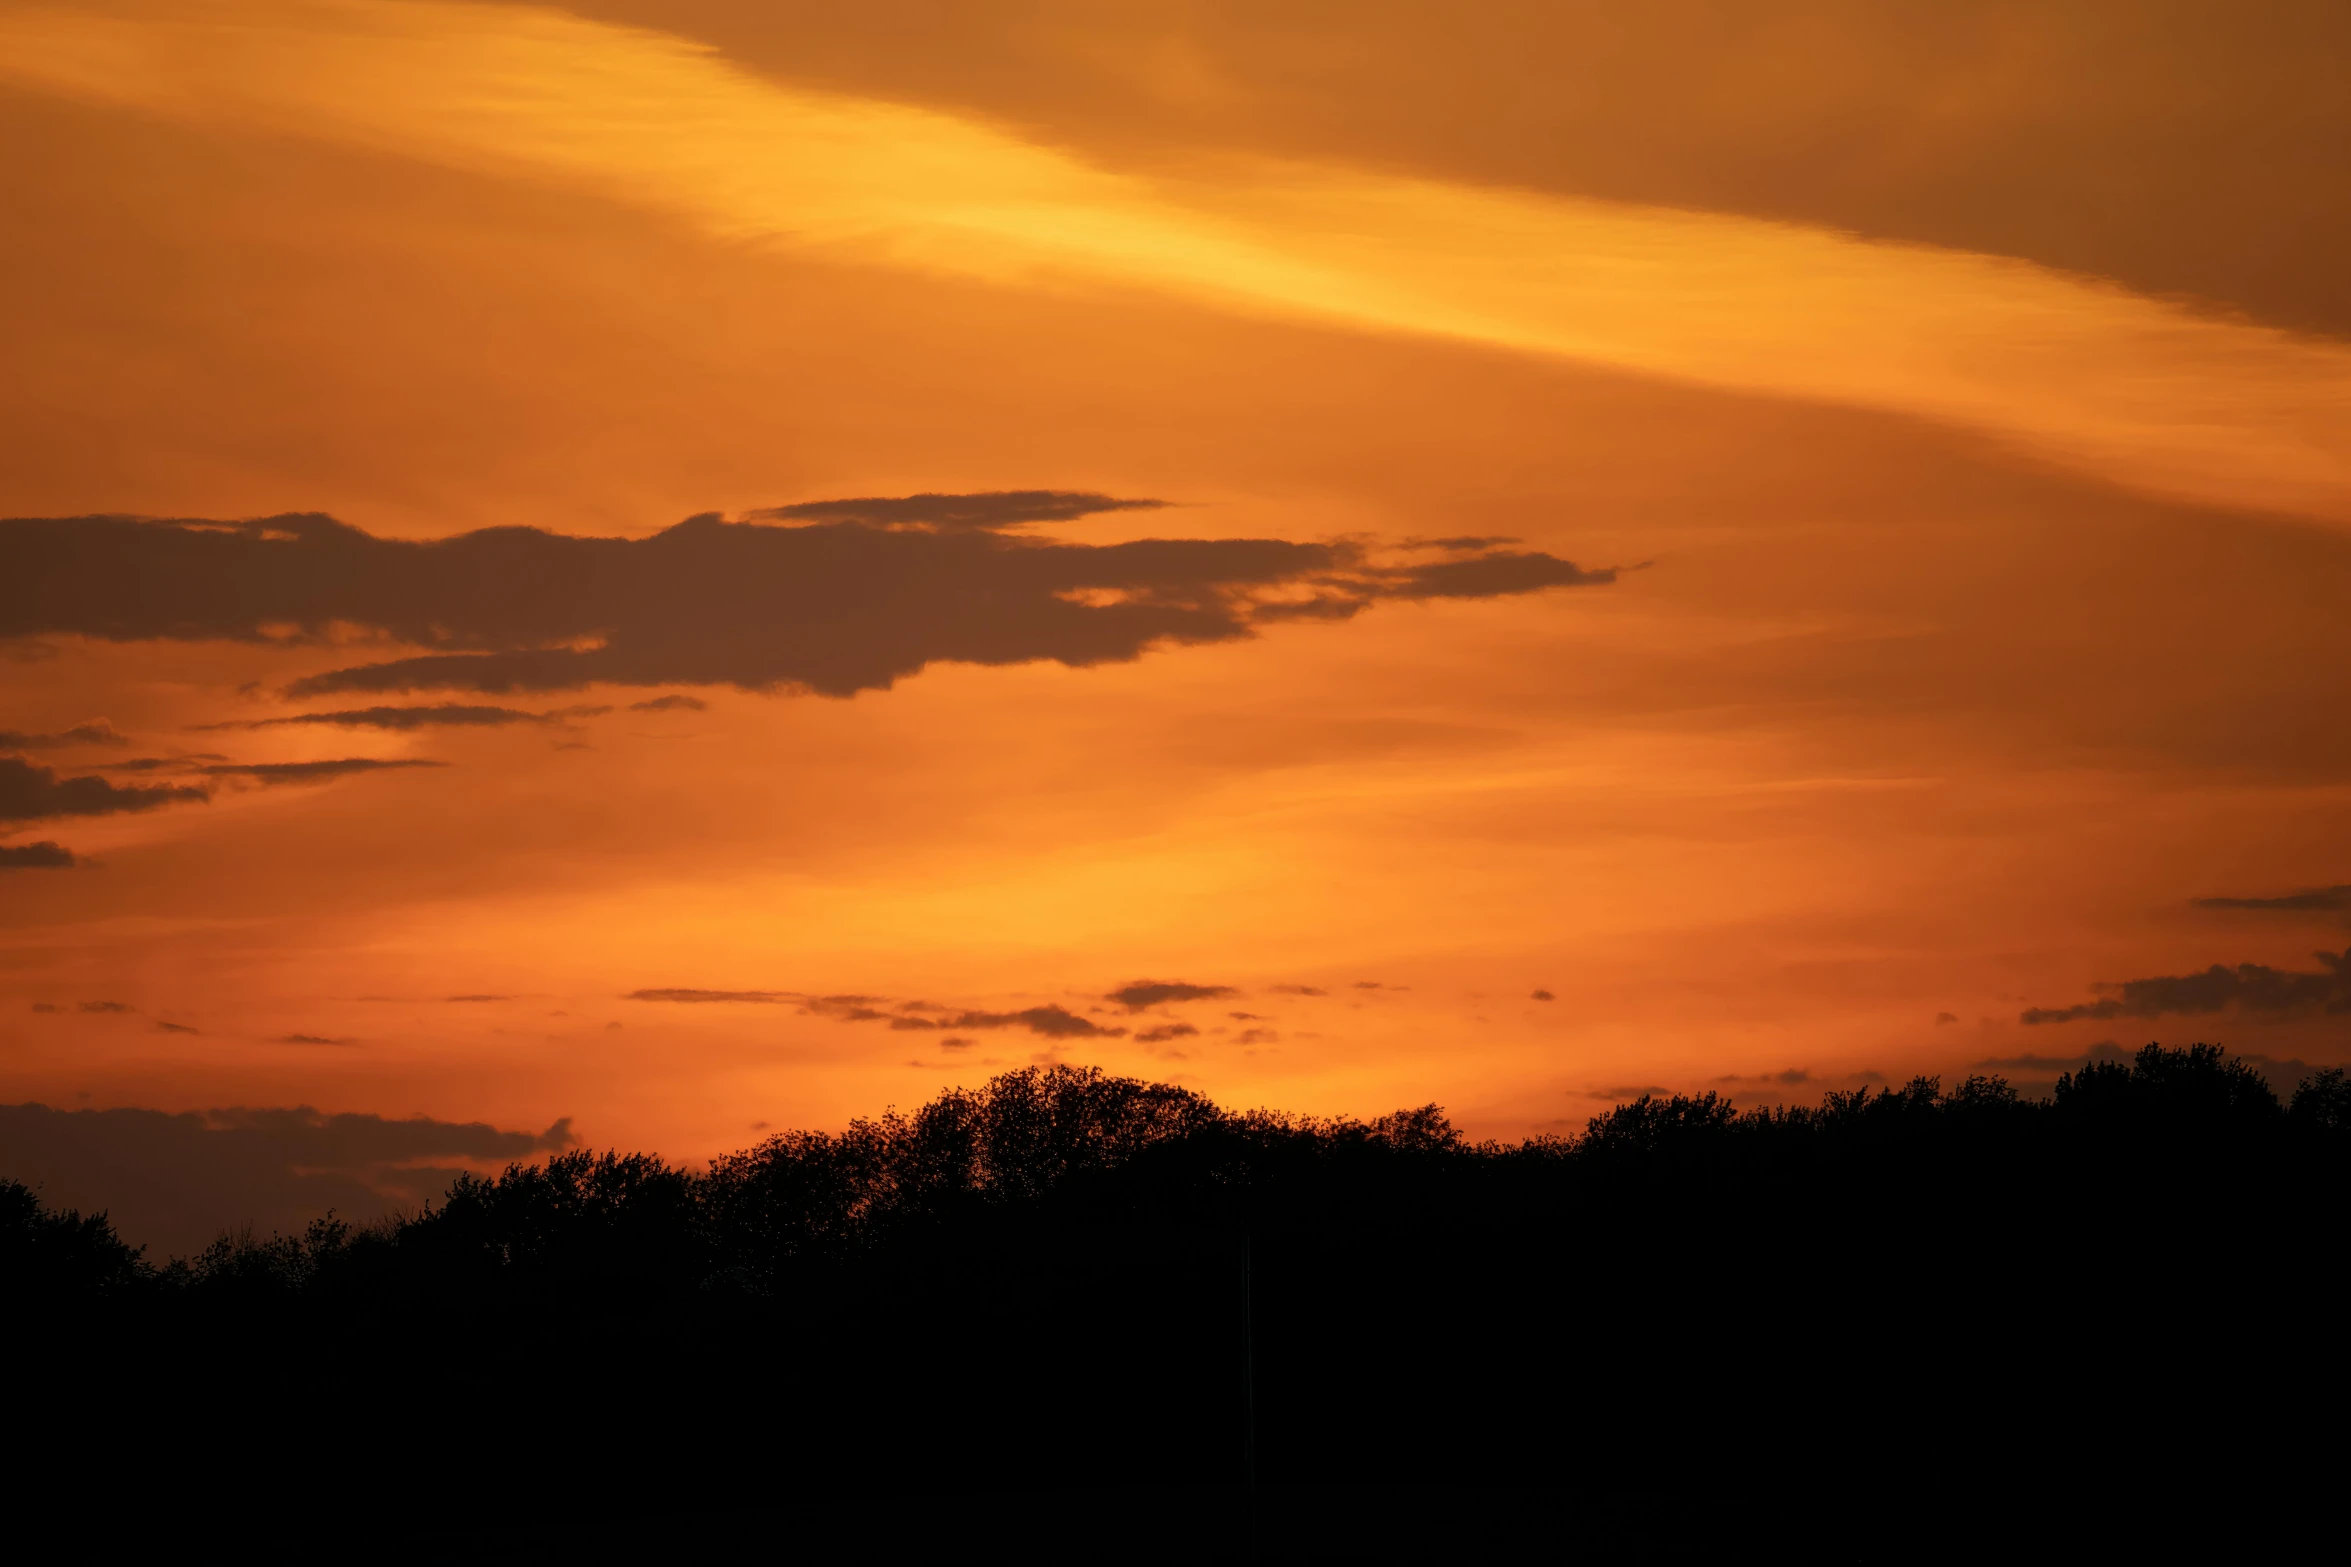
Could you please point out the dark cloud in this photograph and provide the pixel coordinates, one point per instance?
(1792, 1077)
(484, 997)
(1473, 542)
(2249, 987)
(1542, 995)
(677, 994)
(851, 603)
(176, 1028)
(311, 772)
(158, 764)
(1165, 1032)
(1945, 1017)
(107, 1006)
(1625, 1095)
(2315, 900)
(1490, 575)
(310, 1039)
(40, 856)
(1255, 1036)
(1246, 1017)
(2104, 1050)
(173, 1182)
(951, 513)
(1297, 990)
(672, 703)
(47, 1006)
(1135, 995)
(1052, 1022)
(434, 715)
(29, 793)
(96, 732)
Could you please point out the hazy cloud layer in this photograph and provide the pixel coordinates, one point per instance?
(42, 856)
(30, 792)
(676, 993)
(2312, 900)
(312, 772)
(439, 714)
(835, 606)
(173, 1182)
(996, 509)
(2249, 987)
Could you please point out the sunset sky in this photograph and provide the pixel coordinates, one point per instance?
(1338, 555)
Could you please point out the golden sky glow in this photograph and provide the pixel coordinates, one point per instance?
(1990, 610)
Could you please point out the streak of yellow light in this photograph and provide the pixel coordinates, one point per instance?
(2139, 391)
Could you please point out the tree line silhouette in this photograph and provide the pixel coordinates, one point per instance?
(2132, 1287)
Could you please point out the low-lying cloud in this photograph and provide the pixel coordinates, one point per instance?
(2253, 988)
(838, 597)
(2314, 900)
(41, 856)
(173, 1182)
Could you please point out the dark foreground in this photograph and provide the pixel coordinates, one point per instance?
(1076, 1316)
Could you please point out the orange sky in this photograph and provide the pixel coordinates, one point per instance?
(1977, 419)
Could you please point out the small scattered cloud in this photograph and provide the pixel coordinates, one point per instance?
(1296, 990)
(175, 1028)
(96, 732)
(1135, 995)
(1255, 1036)
(310, 1039)
(1542, 995)
(47, 1006)
(1945, 1017)
(484, 996)
(2251, 988)
(41, 856)
(1165, 1032)
(1627, 1093)
(673, 703)
(1246, 1017)
(107, 1006)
